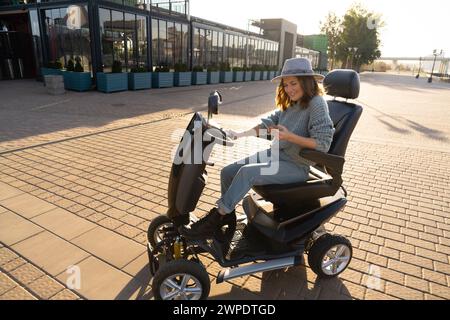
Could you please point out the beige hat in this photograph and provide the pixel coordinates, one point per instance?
(298, 67)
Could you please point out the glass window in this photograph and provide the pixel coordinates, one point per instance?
(162, 43)
(130, 41)
(208, 48)
(67, 34)
(117, 29)
(107, 38)
(185, 44)
(155, 49)
(196, 49)
(220, 47)
(202, 57)
(225, 49)
(171, 46)
(141, 31)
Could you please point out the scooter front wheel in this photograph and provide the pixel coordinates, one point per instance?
(330, 255)
(157, 228)
(181, 280)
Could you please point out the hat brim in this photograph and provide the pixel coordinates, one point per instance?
(317, 76)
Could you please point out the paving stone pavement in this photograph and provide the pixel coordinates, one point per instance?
(94, 196)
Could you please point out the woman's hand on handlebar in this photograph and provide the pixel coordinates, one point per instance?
(233, 135)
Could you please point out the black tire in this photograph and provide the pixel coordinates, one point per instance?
(186, 267)
(153, 229)
(321, 247)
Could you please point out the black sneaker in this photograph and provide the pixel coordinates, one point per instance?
(207, 226)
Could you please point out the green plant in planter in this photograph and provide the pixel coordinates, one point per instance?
(117, 67)
(224, 66)
(54, 65)
(212, 68)
(162, 68)
(238, 69)
(138, 70)
(197, 69)
(78, 67)
(70, 66)
(76, 79)
(181, 67)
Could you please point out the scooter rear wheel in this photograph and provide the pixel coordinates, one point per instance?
(330, 255)
(181, 280)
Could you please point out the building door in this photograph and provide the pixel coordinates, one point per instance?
(16, 62)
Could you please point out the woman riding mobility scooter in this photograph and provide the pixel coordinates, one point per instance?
(282, 221)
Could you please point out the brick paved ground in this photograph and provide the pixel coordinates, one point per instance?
(95, 195)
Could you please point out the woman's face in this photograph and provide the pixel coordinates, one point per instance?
(293, 88)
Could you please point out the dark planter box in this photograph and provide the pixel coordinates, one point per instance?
(213, 77)
(112, 82)
(248, 75)
(162, 79)
(182, 79)
(51, 72)
(199, 78)
(77, 81)
(256, 76)
(226, 76)
(265, 75)
(238, 76)
(139, 80)
(272, 74)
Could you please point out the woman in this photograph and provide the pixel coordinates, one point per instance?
(302, 122)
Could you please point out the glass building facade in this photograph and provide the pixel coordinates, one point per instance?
(138, 33)
(67, 34)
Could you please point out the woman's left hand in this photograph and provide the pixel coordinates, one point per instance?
(283, 133)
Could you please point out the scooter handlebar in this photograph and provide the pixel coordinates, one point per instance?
(221, 136)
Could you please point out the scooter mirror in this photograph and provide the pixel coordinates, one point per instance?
(215, 98)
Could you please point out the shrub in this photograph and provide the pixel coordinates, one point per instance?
(54, 65)
(224, 66)
(117, 66)
(212, 68)
(70, 65)
(138, 69)
(181, 67)
(197, 69)
(78, 66)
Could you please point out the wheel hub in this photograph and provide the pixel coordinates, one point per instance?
(181, 287)
(336, 259)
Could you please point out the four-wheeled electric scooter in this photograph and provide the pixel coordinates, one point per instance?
(282, 221)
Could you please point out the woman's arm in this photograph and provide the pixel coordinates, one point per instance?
(305, 143)
(253, 132)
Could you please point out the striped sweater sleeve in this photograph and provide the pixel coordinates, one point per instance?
(271, 120)
(320, 126)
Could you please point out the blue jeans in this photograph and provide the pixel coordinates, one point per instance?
(239, 177)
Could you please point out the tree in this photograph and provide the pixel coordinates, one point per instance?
(360, 31)
(332, 29)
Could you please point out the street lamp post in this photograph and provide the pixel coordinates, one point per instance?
(430, 79)
(420, 66)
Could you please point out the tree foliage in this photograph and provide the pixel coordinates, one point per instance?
(358, 29)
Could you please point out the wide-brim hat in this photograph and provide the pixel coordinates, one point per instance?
(298, 67)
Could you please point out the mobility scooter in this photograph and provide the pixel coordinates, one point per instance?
(281, 223)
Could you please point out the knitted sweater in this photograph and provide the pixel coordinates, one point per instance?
(312, 122)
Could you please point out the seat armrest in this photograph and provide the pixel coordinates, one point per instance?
(331, 161)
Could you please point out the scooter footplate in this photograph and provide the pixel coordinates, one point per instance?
(242, 245)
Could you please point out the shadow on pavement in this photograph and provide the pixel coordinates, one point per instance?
(26, 110)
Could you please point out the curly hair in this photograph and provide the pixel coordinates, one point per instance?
(310, 87)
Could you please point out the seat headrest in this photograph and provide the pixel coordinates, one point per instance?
(342, 83)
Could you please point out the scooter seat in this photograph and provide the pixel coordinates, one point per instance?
(284, 224)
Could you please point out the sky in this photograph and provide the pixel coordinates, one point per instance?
(412, 28)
